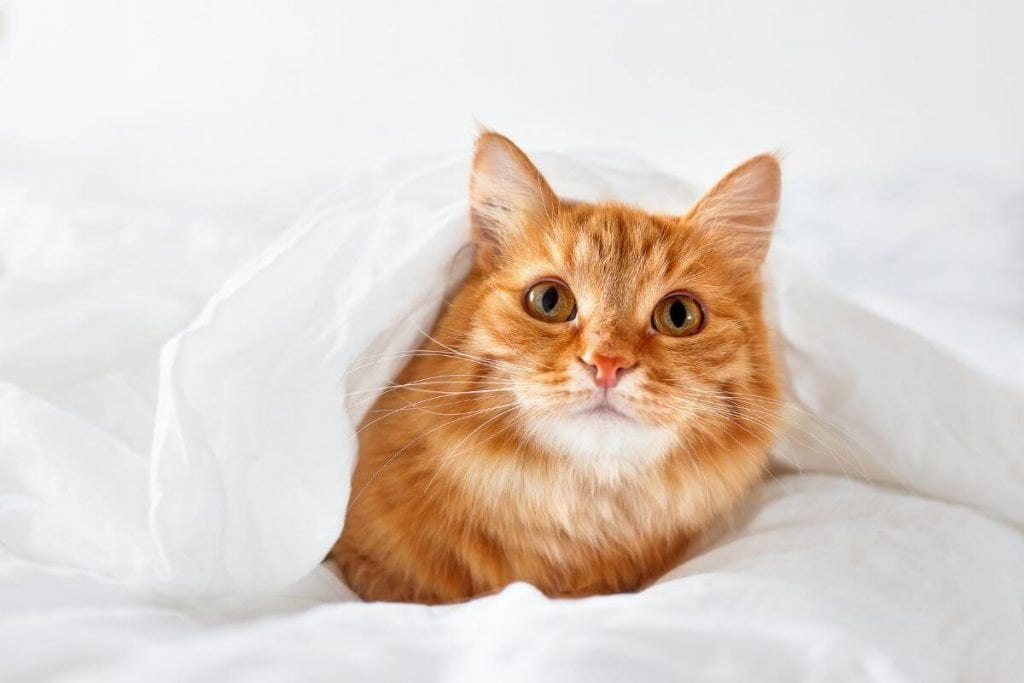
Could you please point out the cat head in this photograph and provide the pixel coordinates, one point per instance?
(621, 334)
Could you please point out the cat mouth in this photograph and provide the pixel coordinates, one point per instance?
(603, 408)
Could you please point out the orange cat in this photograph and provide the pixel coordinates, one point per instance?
(600, 389)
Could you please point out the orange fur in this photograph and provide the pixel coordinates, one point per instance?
(484, 464)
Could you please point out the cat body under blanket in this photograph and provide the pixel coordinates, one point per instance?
(599, 391)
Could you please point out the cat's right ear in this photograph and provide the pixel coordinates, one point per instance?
(506, 191)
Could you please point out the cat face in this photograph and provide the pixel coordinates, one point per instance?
(620, 334)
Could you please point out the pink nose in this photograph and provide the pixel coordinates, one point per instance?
(607, 369)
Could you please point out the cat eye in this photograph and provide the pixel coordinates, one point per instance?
(678, 315)
(550, 301)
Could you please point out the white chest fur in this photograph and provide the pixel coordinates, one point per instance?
(608, 447)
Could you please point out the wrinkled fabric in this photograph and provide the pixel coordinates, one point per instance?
(828, 579)
(178, 396)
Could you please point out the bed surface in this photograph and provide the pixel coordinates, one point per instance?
(829, 580)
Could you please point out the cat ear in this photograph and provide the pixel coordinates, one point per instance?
(740, 210)
(505, 191)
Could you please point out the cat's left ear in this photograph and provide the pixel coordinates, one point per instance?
(739, 212)
(506, 192)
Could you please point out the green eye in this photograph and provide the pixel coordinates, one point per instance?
(550, 301)
(678, 315)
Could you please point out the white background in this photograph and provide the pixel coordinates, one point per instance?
(254, 101)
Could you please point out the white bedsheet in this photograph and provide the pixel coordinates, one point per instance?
(831, 580)
(164, 504)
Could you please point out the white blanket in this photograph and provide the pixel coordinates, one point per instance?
(175, 448)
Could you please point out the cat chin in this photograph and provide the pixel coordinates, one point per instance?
(604, 442)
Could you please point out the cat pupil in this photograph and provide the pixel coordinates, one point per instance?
(677, 312)
(549, 299)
